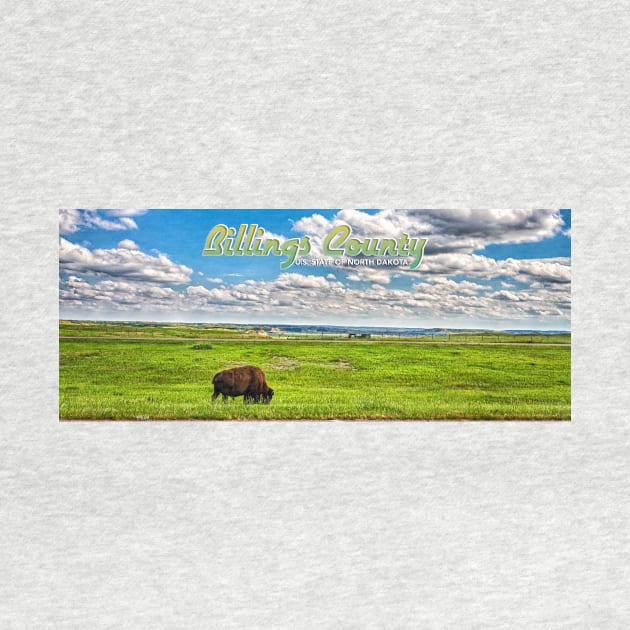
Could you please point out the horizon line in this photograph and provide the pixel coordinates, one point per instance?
(261, 325)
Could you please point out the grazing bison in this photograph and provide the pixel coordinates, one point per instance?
(248, 381)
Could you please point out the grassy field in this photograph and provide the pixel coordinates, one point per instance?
(161, 379)
(150, 330)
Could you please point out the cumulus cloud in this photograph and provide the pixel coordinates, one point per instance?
(369, 274)
(555, 270)
(543, 270)
(452, 237)
(297, 295)
(122, 262)
(118, 295)
(446, 285)
(71, 221)
(452, 282)
(128, 244)
(446, 230)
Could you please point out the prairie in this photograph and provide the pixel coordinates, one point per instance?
(105, 378)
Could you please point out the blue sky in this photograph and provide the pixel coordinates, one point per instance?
(181, 234)
(482, 268)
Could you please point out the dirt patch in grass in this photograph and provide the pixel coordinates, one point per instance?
(335, 364)
(283, 363)
(344, 364)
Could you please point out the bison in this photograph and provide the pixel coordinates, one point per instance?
(248, 381)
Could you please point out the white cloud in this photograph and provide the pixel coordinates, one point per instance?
(446, 230)
(545, 270)
(124, 263)
(119, 295)
(128, 244)
(71, 221)
(446, 285)
(368, 274)
(130, 277)
(557, 270)
(453, 236)
(312, 297)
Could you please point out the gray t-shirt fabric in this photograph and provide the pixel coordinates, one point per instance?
(314, 525)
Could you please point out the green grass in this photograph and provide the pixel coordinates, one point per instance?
(160, 379)
(149, 330)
